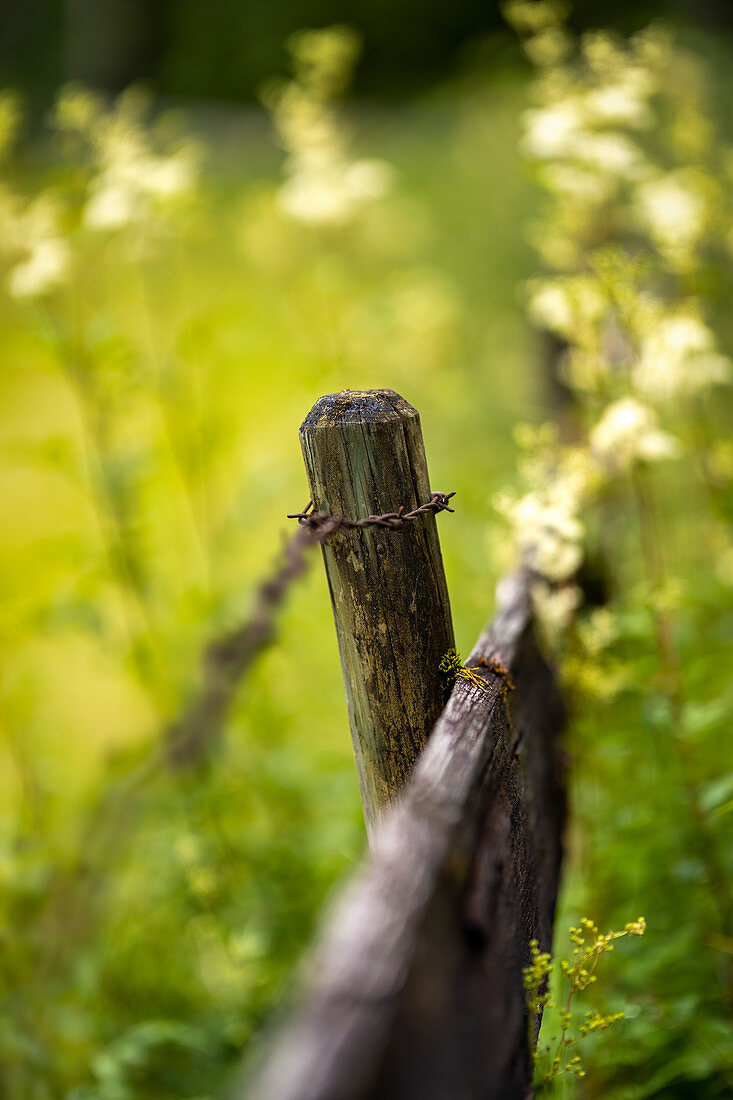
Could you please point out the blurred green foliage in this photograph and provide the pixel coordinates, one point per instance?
(172, 308)
(634, 235)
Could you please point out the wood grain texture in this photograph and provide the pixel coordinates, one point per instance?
(414, 989)
(364, 455)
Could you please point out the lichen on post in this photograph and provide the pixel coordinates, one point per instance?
(364, 455)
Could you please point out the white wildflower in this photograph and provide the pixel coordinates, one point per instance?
(672, 210)
(327, 191)
(620, 104)
(610, 152)
(679, 357)
(33, 236)
(628, 432)
(111, 205)
(579, 183)
(324, 184)
(131, 182)
(168, 177)
(369, 178)
(553, 131)
(565, 305)
(44, 269)
(134, 184)
(548, 531)
(550, 307)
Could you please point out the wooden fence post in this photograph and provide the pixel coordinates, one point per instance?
(364, 455)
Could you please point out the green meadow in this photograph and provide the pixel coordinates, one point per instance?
(154, 376)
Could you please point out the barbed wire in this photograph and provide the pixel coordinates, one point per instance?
(324, 524)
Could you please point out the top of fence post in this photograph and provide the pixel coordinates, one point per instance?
(364, 455)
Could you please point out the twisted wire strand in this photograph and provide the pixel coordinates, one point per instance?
(322, 524)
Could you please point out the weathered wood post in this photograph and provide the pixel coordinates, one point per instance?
(364, 455)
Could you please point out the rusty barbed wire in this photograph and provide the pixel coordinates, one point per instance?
(324, 524)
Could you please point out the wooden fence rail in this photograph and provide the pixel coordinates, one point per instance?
(414, 988)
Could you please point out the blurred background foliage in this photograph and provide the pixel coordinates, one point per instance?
(227, 53)
(176, 295)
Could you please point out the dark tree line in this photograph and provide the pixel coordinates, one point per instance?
(226, 48)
